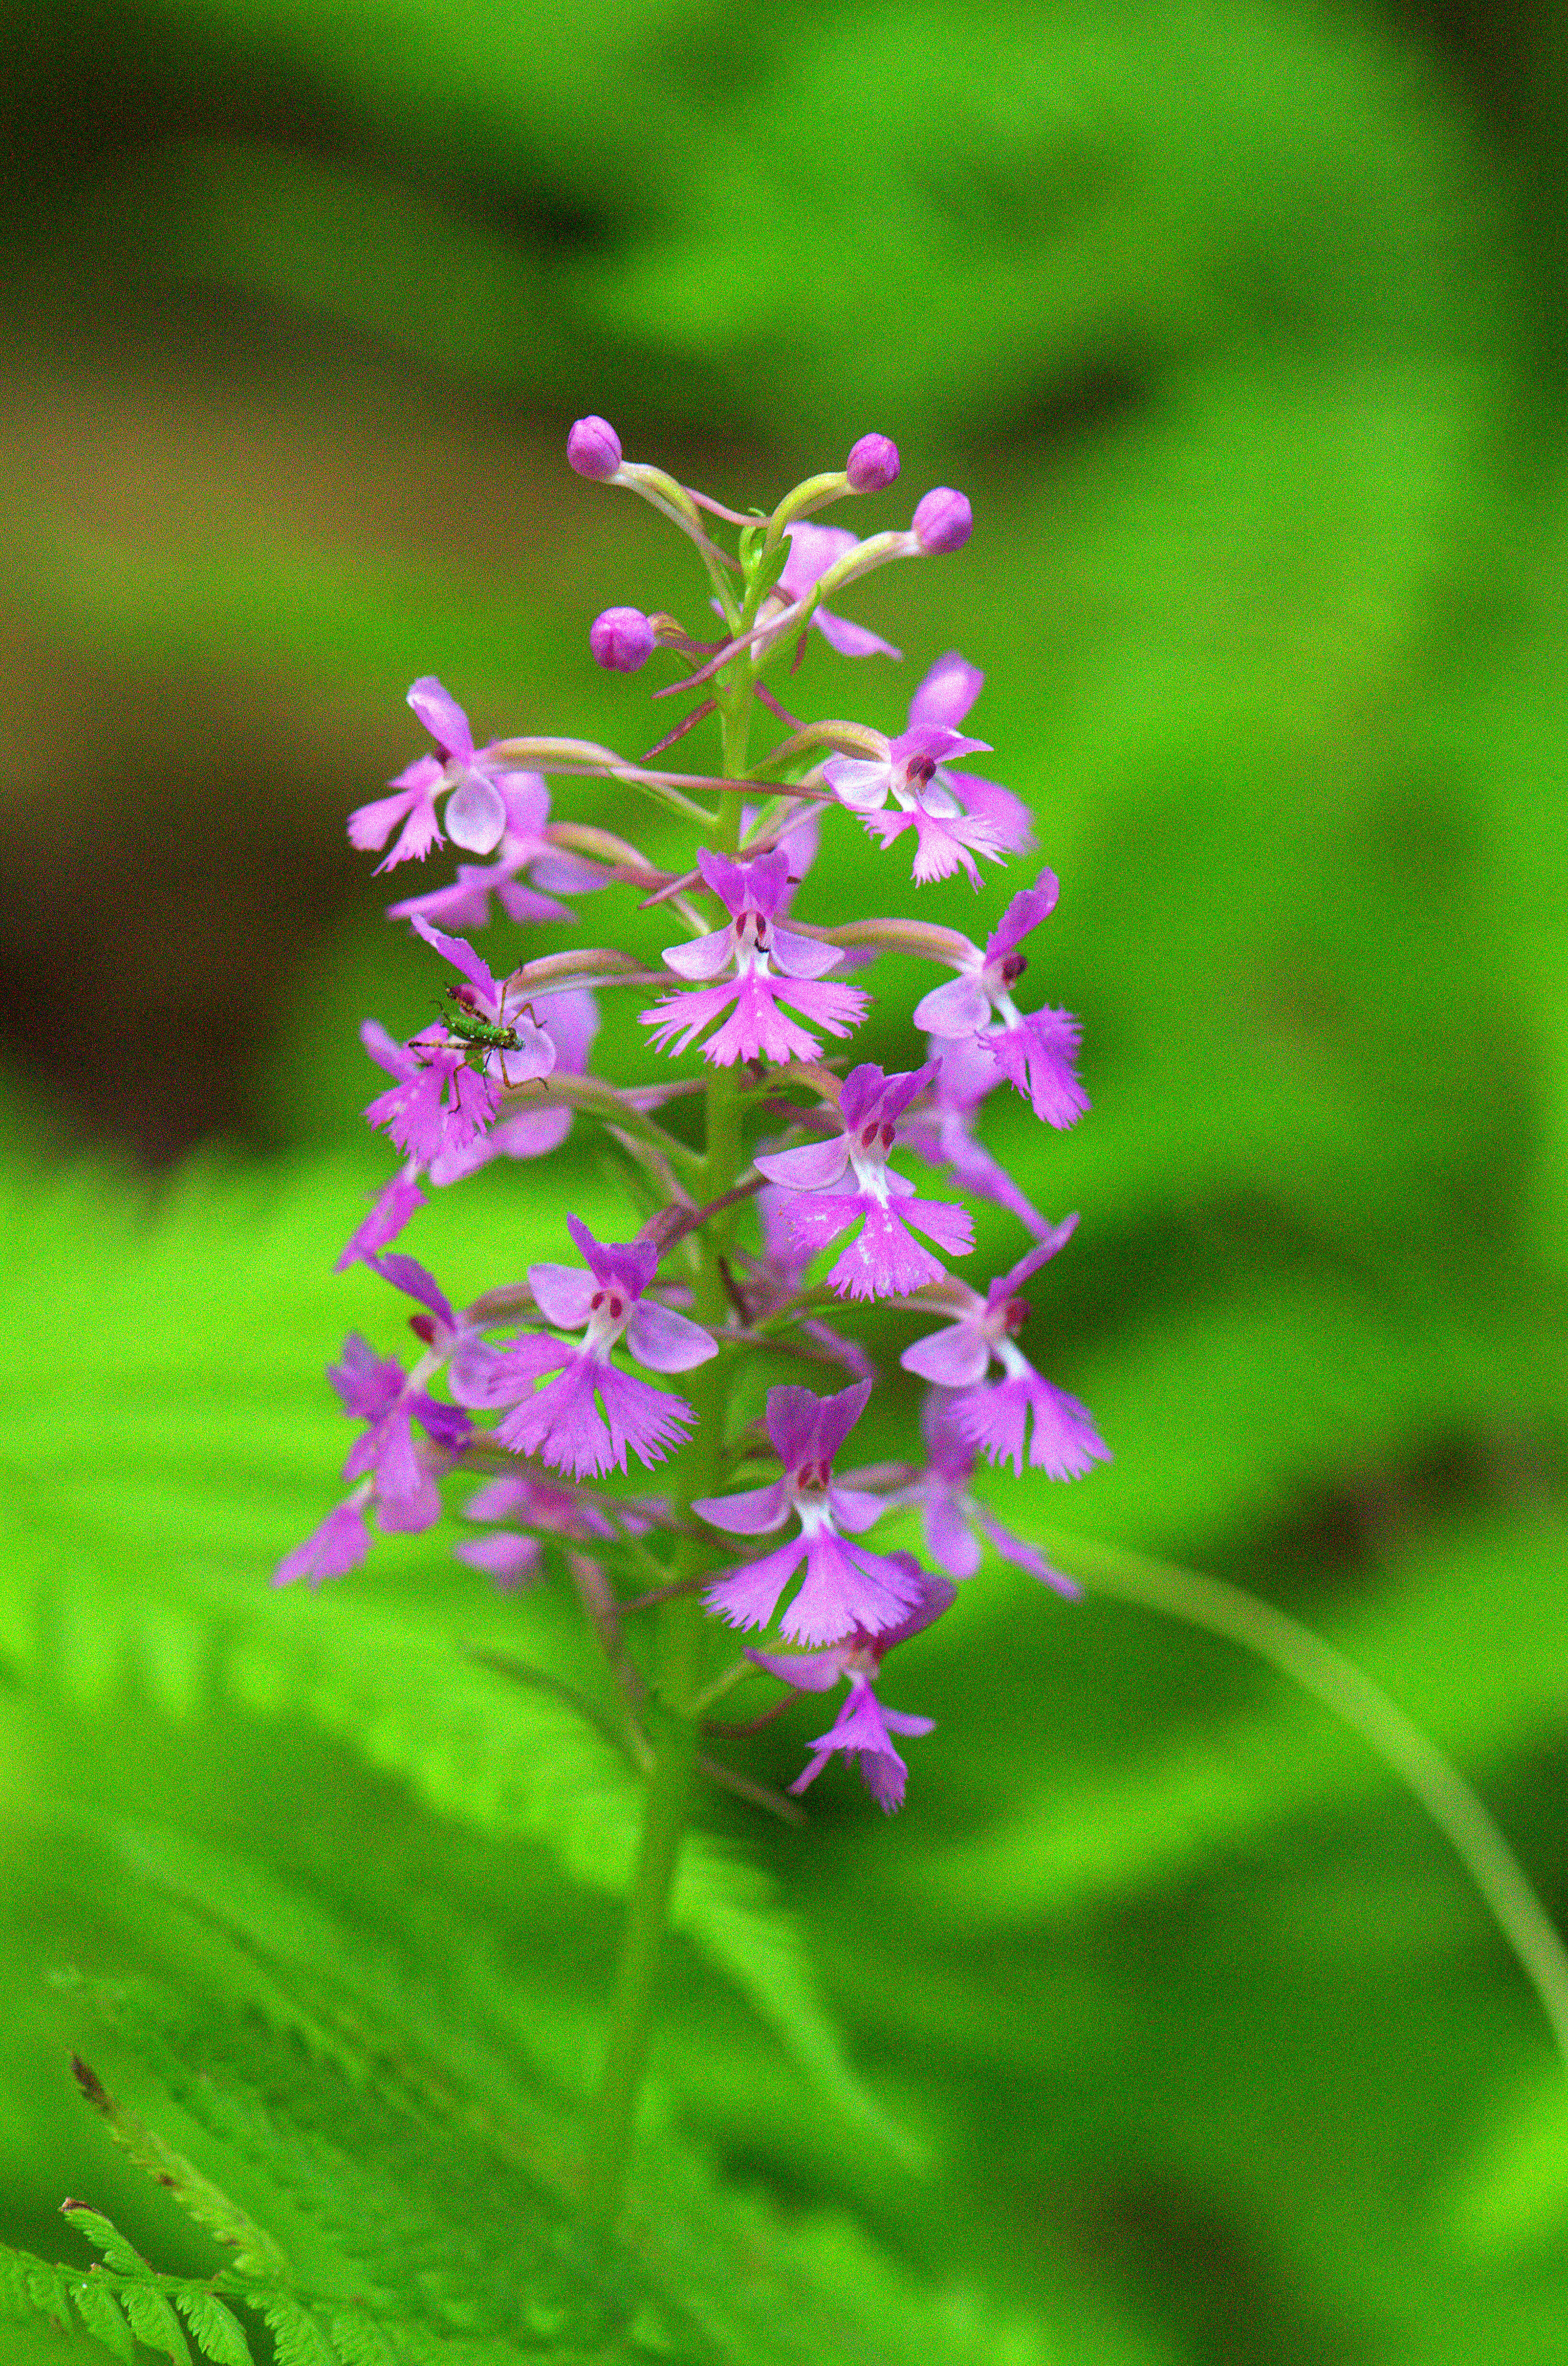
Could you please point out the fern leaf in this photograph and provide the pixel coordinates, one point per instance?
(121, 2256)
(296, 2330)
(100, 2312)
(155, 2322)
(30, 2289)
(255, 2253)
(218, 2331)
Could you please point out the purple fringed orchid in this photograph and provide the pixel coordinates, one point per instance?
(1064, 1441)
(954, 1523)
(840, 1182)
(846, 1586)
(1036, 1053)
(523, 849)
(562, 1422)
(446, 1091)
(863, 1727)
(771, 965)
(476, 809)
(954, 815)
(812, 550)
(386, 1459)
(451, 1338)
(776, 1277)
(570, 1019)
(512, 1560)
(940, 1129)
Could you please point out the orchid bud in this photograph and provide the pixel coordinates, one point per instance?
(942, 521)
(594, 448)
(872, 464)
(622, 640)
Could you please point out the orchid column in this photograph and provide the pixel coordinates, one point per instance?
(781, 1206)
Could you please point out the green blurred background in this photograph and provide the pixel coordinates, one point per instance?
(1245, 327)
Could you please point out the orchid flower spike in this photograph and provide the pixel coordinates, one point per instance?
(1064, 1442)
(563, 1422)
(1036, 1052)
(863, 1727)
(769, 965)
(475, 811)
(847, 1178)
(846, 1586)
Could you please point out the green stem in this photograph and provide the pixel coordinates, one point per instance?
(673, 1715)
(1456, 1809)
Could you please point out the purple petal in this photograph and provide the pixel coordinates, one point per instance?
(702, 957)
(954, 1357)
(727, 879)
(852, 640)
(801, 956)
(947, 693)
(808, 1672)
(406, 1275)
(632, 1264)
(748, 1595)
(370, 826)
(340, 1543)
(565, 1294)
(475, 815)
(462, 956)
(1013, 1549)
(1010, 822)
(858, 783)
(1025, 911)
(664, 1342)
(791, 1418)
(753, 1514)
(442, 718)
(490, 1377)
(960, 1007)
(854, 1509)
(886, 1260)
(1037, 1057)
(811, 1169)
(386, 1053)
(951, 1541)
(1014, 1279)
(836, 1416)
(510, 1560)
(812, 550)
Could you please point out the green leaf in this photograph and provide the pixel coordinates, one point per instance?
(217, 2332)
(155, 2322)
(255, 2253)
(121, 2256)
(100, 2312)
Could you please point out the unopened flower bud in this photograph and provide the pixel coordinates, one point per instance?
(622, 638)
(872, 464)
(942, 521)
(594, 448)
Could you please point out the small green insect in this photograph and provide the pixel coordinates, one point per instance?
(482, 1038)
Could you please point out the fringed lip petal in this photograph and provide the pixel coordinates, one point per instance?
(748, 1597)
